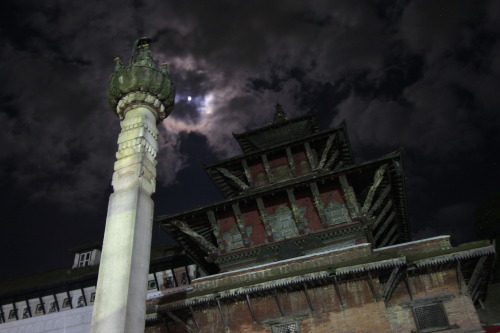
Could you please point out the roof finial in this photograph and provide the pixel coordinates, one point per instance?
(279, 115)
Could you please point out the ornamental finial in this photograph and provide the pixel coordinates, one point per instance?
(279, 115)
(141, 75)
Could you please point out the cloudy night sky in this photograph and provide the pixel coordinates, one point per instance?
(423, 76)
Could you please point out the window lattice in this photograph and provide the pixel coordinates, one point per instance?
(286, 328)
(431, 316)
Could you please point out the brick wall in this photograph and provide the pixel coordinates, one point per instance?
(362, 312)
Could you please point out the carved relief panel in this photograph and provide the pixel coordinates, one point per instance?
(336, 212)
(282, 223)
(233, 239)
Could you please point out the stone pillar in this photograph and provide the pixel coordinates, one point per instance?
(142, 95)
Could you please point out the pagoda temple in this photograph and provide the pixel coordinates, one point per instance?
(308, 240)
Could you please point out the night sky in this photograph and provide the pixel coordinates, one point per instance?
(423, 76)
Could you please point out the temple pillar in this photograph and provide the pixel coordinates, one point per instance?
(142, 95)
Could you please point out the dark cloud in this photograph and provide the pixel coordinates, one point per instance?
(422, 75)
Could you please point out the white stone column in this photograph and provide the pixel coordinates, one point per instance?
(142, 95)
(122, 283)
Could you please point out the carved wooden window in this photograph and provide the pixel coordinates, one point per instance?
(168, 282)
(285, 328)
(12, 313)
(431, 316)
(151, 284)
(81, 302)
(84, 259)
(92, 297)
(39, 308)
(26, 313)
(66, 302)
(52, 307)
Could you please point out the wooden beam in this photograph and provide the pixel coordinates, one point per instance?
(194, 319)
(338, 166)
(377, 179)
(240, 224)
(204, 244)
(392, 283)
(242, 186)
(248, 174)
(374, 291)
(69, 299)
(324, 155)
(337, 291)
(309, 155)
(318, 203)
(476, 274)
(15, 310)
(352, 203)
(309, 302)
(224, 320)
(474, 280)
(28, 306)
(180, 322)
(265, 163)
(393, 239)
(56, 303)
(2, 315)
(460, 277)
(278, 302)
(384, 211)
(387, 238)
(384, 226)
(264, 217)
(291, 161)
(380, 199)
(385, 241)
(406, 280)
(250, 308)
(83, 297)
(215, 229)
(187, 274)
(295, 210)
(332, 159)
(43, 304)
